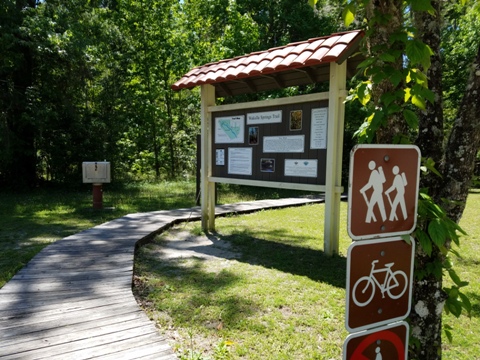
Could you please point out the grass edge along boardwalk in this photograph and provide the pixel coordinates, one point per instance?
(74, 298)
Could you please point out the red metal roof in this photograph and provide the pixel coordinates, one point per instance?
(293, 64)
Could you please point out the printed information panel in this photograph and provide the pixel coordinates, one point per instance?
(288, 143)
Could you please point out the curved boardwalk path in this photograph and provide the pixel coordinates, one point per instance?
(74, 299)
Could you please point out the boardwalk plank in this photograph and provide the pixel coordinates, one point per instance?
(61, 331)
(19, 300)
(84, 332)
(157, 351)
(94, 346)
(40, 322)
(52, 307)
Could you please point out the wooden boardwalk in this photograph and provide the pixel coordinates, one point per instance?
(74, 299)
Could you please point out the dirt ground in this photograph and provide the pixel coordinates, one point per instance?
(179, 243)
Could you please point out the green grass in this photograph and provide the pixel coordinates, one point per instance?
(466, 331)
(283, 298)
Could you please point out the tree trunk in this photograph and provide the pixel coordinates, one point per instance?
(428, 295)
(462, 147)
(455, 162)
(388, 23)
(430, 138)
(461, 150)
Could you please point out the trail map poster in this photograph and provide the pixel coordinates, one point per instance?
(230, 130)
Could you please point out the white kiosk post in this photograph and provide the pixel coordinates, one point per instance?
(207, 188)
(333, 180)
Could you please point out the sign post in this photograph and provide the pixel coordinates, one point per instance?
(96, 173)
(382, 212)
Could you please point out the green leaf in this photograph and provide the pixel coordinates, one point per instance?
(411, 118)
(387, 98)
(448, 333)
(393, 108)
(456, 279)
(408, 79)
(422, 5)
(454, 306)
(396, 77)
(363, 93)
(418, 102)
(429, 163)
(435, 268)
(467, 305)
(424, 241)
(406, 238)
(387, 57)
(418, 53)
(420, 77)
(408, 94)
(312, 3)
(425, 93)
(437, 232)
(348, 14)
(366, 63)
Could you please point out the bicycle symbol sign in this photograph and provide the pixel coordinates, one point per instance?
(394, 284)
(379, 274)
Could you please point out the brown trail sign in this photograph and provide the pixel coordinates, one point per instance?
(383, 190)
(388, 342)
(379, 282)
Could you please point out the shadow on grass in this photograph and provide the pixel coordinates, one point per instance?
(296, 260)
(475, 301)
(187, 289)
(289, 258)
(201, 289)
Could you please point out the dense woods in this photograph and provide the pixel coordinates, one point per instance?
(85, 80)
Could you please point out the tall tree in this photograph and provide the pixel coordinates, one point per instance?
(17, 138)
(284, 21)
(394, 90)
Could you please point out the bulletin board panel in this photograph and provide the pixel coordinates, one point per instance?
(279, 143)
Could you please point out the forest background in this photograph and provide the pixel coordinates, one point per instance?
(85, 80)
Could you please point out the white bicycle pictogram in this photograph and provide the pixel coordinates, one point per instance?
(394, 284)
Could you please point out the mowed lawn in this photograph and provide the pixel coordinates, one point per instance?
(282, 298)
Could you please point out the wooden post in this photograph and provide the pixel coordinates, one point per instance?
(207, 188)
(333, 181)
(97, 193)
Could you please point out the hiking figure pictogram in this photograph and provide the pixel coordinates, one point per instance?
(398, 185)
(375, 182)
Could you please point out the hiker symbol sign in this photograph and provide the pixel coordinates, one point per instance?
(383, 190)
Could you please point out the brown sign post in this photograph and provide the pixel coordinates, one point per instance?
(382, 209)
(383, 190)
